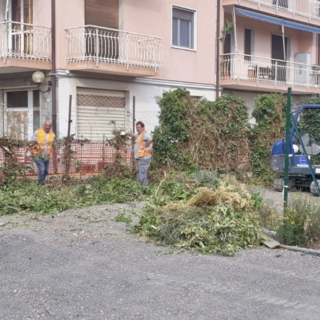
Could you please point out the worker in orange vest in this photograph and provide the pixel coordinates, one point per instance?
(142, 151)
(43, 149)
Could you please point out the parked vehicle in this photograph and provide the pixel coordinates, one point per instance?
(303, 163)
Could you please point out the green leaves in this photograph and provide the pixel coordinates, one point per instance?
(269, 111)
(29, 196)
(220, 224)
(202, 134)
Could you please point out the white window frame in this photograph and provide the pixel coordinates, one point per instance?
(194, 27)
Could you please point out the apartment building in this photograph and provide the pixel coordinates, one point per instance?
(272, 45)
(112, 57)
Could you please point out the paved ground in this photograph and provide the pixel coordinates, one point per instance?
(82, 264)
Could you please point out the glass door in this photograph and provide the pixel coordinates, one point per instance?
(20, 26)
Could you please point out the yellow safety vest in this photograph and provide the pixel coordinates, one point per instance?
(42, 143)
(141, 151)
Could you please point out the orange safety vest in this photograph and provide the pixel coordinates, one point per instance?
(141, 151)
(41, 139)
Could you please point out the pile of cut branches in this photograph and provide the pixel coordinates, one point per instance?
(209, 220)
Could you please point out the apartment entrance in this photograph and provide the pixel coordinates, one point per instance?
(279, 57)
(20, 19)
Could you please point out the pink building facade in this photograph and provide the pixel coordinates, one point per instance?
(273, 45)
(109, 60)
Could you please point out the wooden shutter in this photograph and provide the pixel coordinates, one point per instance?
(102, 13)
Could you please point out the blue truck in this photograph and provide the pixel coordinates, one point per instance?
(301, 153)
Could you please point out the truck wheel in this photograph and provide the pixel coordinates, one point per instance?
(279, 183)
(313, 188)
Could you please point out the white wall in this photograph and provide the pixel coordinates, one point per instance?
(145, 93)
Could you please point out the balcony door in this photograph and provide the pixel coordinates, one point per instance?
(102, 43)
(279, 57)
(21, 18)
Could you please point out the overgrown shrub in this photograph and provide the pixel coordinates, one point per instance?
(269, 112)
(309, 122)
(202, 135)
(298, 226)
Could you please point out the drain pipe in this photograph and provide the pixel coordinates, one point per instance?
(218, 52)
(53, 71)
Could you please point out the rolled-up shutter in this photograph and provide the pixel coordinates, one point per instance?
(102, 13)
(99, 112)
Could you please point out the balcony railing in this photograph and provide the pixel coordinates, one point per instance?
(104, 45)
(24, 41)
(245, 68)
(305, 8)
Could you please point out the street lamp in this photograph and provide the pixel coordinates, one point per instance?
(38, 77)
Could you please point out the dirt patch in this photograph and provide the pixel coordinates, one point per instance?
(92, 223)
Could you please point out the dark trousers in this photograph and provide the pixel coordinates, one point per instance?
(43, 169)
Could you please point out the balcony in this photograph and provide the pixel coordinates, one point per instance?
(303, 10)
(92, 48)
(264, 74)
(24, 47)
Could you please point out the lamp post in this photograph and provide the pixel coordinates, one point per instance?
(38, 78)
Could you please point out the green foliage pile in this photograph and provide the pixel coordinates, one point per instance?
(221, 218)
(202, 135)
(28, 196)
(269, 112)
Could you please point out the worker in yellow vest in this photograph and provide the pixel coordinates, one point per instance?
(142, 151)
(43, 149)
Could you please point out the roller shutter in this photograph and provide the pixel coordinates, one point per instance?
(99, 113)
(102, 13)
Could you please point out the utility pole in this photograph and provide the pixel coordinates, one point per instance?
(218, 52)
(53, 71)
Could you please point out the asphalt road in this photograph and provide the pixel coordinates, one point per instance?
(83, 265)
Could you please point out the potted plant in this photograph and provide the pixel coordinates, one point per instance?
(227, 28)
(225, 68)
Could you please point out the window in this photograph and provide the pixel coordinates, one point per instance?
(17, 99)
(183, 28)
(248, 44)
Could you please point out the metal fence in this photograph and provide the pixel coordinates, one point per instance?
(246, 68)
(25, 41)
(86, 159)
(104, 45)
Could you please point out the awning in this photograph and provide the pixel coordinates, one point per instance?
(279, 21)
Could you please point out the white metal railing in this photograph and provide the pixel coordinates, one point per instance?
(25, 41)
(306, 8)
(104, 45)
(246, 68)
